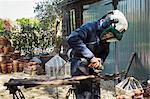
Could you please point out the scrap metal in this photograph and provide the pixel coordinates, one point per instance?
(13, 84)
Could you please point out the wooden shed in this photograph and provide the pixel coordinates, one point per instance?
(136, 38)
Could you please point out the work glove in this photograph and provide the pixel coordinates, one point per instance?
(95, 63)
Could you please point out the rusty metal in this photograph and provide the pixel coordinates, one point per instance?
(129, 64)
(12, 84)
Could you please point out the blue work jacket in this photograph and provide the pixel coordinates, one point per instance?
(85, 43)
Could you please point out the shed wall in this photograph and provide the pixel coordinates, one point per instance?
(136, 39)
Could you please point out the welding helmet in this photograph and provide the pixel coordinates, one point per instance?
(116, 23)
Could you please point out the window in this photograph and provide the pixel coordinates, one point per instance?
(72, 20)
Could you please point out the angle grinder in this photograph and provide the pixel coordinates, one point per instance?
(85, 62)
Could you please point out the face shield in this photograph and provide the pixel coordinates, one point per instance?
(113, 27)
(110, 34)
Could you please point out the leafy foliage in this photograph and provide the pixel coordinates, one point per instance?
(1, 26)
(27, 38)
(48, 12)
(28, 33)
(5, 28)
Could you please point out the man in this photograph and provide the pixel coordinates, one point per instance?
(91, 42)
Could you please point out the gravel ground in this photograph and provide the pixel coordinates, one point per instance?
(46, 92)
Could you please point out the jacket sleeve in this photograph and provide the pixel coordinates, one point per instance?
(77, 39)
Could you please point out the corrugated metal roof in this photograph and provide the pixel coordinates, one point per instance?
(68, 2)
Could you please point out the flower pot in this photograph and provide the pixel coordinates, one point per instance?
(7, 57)
(16, 55)
(12, 49)
(9, 67)
(21, 66)
(15, 65)
(2, 57)
(6, 50)
(3, 67)
(3, 41)
(1, 50)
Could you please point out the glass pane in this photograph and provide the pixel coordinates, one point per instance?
(72, 20)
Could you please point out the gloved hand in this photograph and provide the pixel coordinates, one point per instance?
(95, 63)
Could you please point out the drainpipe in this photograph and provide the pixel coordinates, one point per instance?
(115, 3)
(116, 58)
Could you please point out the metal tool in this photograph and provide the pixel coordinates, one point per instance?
(85, 62)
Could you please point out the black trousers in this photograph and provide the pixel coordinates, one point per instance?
(87, 89)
